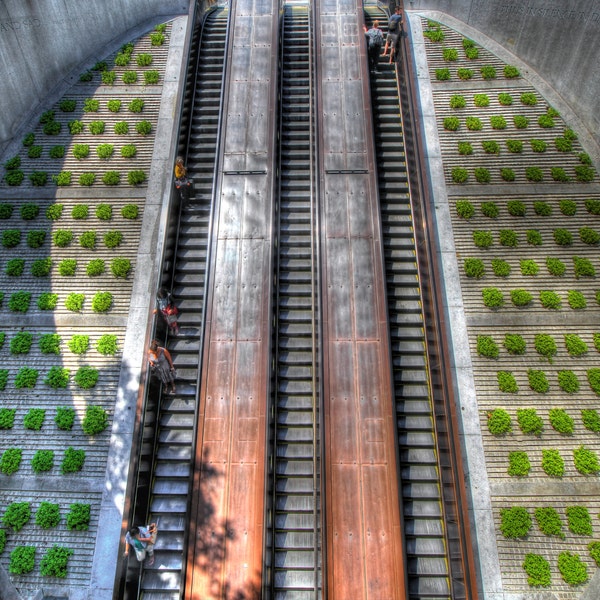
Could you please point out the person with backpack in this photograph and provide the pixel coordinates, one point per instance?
(394, 33)
(374, 43)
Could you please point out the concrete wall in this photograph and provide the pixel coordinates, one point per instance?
(558, 39)
(44, 44)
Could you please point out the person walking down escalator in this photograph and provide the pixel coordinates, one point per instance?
(374, 43)
(161, 365)
(182, 181)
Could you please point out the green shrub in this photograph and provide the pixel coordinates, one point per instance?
(72, 461)
(41, 267)
(516, 208)
(490, 209)
(498, 122)
(584, 174)
(29, 211)
(563, 145)
(575, 345)
(15, 267)
(10, 461)
(442, 74)
(54, 562)
(492, 297)
(464, 209)
(114, 106)
(29, 140)
(91, 105)
(474, 268)
(79, 344)
(584, 158)
(537, 569)
(569, 134)
(482, 175)
(95, 420)
(128, 151)
(538, 381)
(7, 418)
(521, 297)
(111, 178)
(130, 211)
(553, 463)
(529, 421)
(21, 343)
(143, 127)
(586, 462)
(75, 127)
(78, 517)
(74, 302)
(534, 174)
(158, 39)
(579, 520)
(488, 72)
(109, 78)
(507, 174)
(35, 151)
(507, 382)
(2, 334)
(49, 343)
(572, 569)
(36, 238)
(521, 122)
(482, 239)
(65, 418)
(88, 239)
(52, 128)
(81, 151)
(136, 177)
(121, 128)
(129, 77)
(13, 163)
(48, 515)
(38, 178)
(555, 266)
(511, 72)
(508, 238)
(592, 206)
(593, 547)
(19, 301)
(499, 422)
(151, 77)
(136, 105)
(457, 101)
(62, 237)
(161, 27)
(67, 267)
(563, 237)
(95, 267)
(568, 382)
(550, 300)
(122, 59)
(62, 179)
(472, 53)
(112, 239)
(86, 377)
(597, 341)
(545, 345)
(473, 124)
(16, 516)
(593, 377)
(120, 267)
(107, 345)
(548, 521)
(11, 238)
(451, 123)
(34, 419)
(528, 98)
(486, 346)
(96, 127)
(576, 300)
(490, 147)
(42, 461)
(518, 464)
(515, 522)
(589, 236)
(22, 560)
(561, 421)
(464, 74)
(102, 302)
(538, 145)
(450, 54)
(144, 60)
(500, 267)
(57, 377)
(54, 212)
(546, 121)
(534, 237)
(505, 99)
(105, 151)
(47, 301)
(514, 146)
(514, 344)
(6, 210)
(591, 419)
(104, 212)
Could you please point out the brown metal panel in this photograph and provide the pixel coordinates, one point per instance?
(339, 278)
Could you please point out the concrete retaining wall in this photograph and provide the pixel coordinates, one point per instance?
(559, 40)
(45, 42)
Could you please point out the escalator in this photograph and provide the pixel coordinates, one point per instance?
(175, 432)
(296, 538)
(423, 514)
